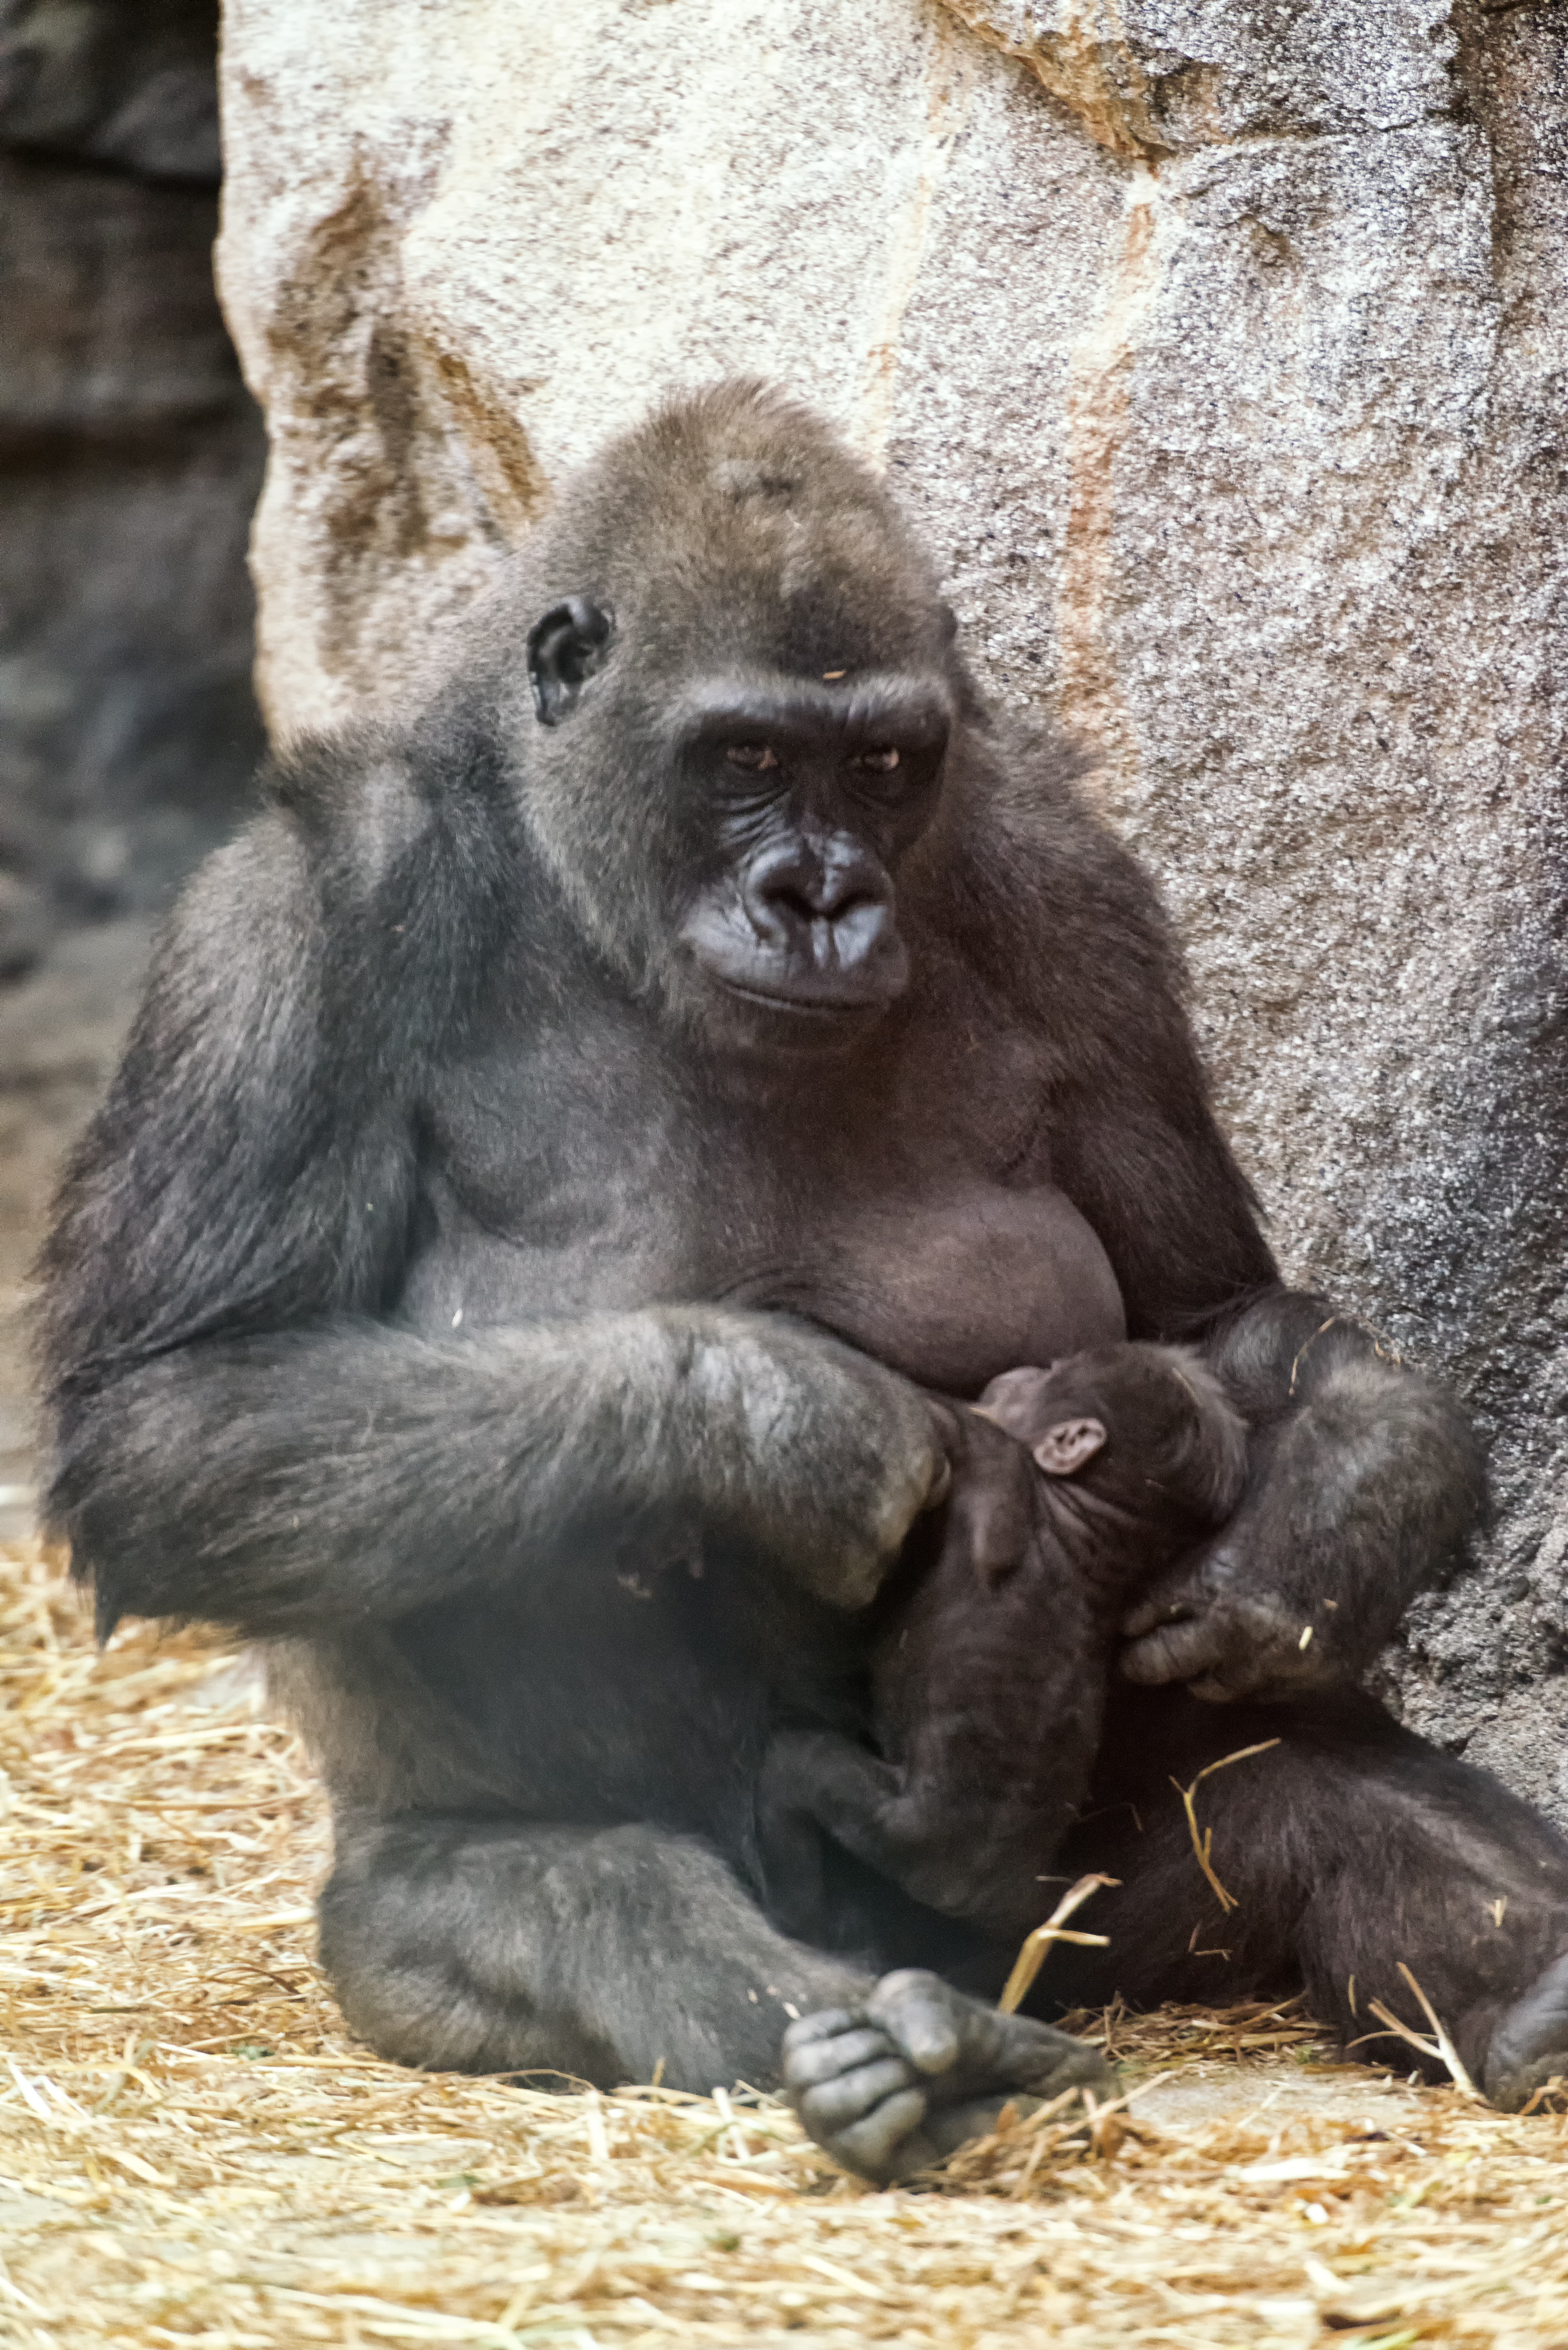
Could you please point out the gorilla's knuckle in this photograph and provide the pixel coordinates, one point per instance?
(908, 1983)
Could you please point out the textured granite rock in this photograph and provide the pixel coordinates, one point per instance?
(1220, 349)
(130, 461)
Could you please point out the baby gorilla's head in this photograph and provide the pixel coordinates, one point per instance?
(1149, 1429)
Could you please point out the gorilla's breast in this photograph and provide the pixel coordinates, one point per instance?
(594, 1182)
(954, 1284)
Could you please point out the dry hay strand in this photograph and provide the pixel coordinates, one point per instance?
(194, 2152)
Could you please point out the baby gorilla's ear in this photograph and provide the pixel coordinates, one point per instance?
(1017, 1401)
(1066, 1447)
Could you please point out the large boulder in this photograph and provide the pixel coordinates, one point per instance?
(1218, 347)
(131, 458)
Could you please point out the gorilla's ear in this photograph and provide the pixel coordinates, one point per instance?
(564, 648)
(1068, 1445)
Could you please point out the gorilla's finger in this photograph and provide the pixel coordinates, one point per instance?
(941, 1484)
(825, 2024)
(833, 2106)
(823, 2060)
(1267, 1670)
(1167, 1604)
(1178, 1652)
(916, 2010)
(877, 2146)
(1078, 2066)
(1214, 1689)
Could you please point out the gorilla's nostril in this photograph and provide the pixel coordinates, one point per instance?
(794, 902)
(831, 900)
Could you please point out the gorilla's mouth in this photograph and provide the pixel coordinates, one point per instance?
(831, 985)
(807, 1007)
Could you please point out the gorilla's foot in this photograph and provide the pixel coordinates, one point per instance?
(890, 2087)
(1530, 2041)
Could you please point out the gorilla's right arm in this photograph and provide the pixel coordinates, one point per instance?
(240, 1438)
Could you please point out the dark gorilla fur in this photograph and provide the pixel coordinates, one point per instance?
(566, 1146)
(987, 1691)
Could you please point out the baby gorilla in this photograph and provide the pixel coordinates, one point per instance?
(988, 1690)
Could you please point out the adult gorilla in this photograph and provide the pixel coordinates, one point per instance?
(550, 1183)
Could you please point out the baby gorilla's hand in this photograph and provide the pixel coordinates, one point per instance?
(989, 1512)
(890, 2087)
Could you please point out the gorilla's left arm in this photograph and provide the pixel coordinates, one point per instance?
(1365, 1479)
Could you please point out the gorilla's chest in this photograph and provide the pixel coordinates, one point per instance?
(904, 1218)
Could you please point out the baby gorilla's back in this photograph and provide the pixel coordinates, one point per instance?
(989, 1694)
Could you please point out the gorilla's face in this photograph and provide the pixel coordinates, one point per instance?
(774, 812)
(809, 792)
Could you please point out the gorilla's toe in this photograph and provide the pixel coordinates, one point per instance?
(856, 2096)
(897, 2086)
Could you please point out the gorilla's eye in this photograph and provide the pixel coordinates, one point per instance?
(754, 757)
(881, 760)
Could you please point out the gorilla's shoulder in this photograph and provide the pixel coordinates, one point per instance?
(384, 854)
(345, 785)
(1055, 881)
(377, 807)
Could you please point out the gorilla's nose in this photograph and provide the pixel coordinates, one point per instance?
(828, 907)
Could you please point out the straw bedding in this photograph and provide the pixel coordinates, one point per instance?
(191, 2151)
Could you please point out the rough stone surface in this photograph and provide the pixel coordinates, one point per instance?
(1221, 350)
(130, 461)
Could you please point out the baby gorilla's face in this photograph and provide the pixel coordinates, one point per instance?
(1146, 1427)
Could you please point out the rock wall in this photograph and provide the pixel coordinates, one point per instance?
(1219, 346)
(131, 458)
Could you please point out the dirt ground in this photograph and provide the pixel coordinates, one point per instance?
(194, 2152)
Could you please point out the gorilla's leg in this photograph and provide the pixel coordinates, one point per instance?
(486, 1945)
(489, 1946)
(1348, 1848)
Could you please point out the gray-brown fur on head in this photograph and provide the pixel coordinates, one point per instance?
(735, 526)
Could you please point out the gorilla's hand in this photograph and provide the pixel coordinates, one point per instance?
(904, 1454)
(815, 1450)
(890, 2087)
(1298, 1590)
(1365, 1482)
(1209, 1624)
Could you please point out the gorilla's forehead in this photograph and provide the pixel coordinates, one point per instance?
(796, 610)
(833, 705)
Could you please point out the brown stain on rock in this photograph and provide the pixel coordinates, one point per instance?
(343, 407)
(1089, 65)
(500, 451)
(1098, 418)
(402, 454)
